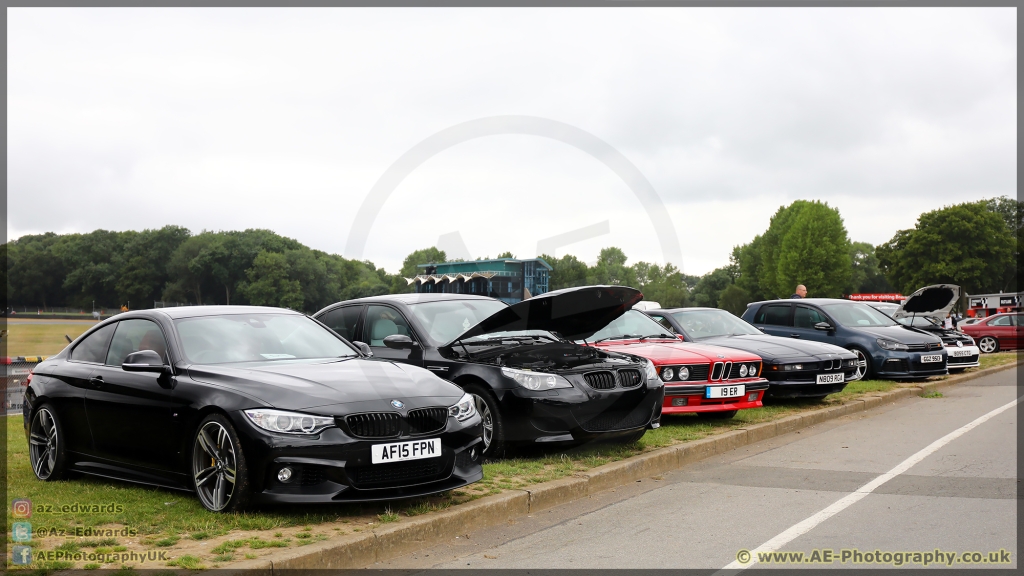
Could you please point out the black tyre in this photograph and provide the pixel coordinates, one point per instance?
(988, 345)
(46, 445)
(219, 474)
(864, 369)
(490, 417)
(724, 415)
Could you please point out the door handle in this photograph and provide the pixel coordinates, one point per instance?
(794, 335)
(96, 381)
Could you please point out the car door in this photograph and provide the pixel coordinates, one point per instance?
(382, 321)
(134, 415)
(76, 373)
(1003, 329)
(344, 321)
(776, 319)
(804, 319)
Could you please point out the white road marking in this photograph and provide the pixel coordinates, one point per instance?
(805, 526)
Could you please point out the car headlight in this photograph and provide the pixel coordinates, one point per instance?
(970, 341)
(651, 372)
(464, 409)
(792, 366)
(667, 374)
(288, 422)
(891, 344)
(684, 373)
(743, 370)
(535, 380)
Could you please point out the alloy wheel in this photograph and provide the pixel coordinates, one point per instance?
(988, 344)
(213, 466)
(486, 419)
(43, 443)
(862, 366)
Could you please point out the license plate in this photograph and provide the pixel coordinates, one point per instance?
(958, 353)
(399, 451)
(931, 358)
(724, 391)
(830, 378)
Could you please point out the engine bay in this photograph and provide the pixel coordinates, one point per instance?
(552, 357)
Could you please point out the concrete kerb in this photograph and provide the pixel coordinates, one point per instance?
(389, 541)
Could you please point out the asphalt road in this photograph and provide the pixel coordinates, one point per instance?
(959, 498)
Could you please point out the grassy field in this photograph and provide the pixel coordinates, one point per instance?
(40, 336)
(175, 523)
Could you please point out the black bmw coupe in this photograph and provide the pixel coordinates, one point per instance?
(247, 405)
(531, 382)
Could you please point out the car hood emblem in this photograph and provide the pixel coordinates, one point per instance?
(721, 356)
(959, 344)
(398, 404)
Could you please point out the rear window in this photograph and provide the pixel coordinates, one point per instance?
(773, 314)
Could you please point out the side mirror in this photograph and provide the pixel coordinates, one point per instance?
(145, 361)
(363, 348)
(823, 326)
(681, 337)
(399, 342)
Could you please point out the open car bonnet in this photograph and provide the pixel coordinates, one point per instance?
(934, 301)
(573, 313)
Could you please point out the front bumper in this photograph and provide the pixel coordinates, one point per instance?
(804, 384)
(690, 398)
(335, 467)
(971, 357)
(896, 364)
(579, 413)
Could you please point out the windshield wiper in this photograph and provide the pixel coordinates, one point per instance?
(669, 336)
(620, 337)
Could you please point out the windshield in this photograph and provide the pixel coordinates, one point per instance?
(632, 324)
(257, 338)
(855, 315)
(888, 309)
(710, 323)
(445, 321)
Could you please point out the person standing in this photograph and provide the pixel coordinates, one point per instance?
(801, 292)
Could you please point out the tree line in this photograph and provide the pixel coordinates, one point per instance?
(974, 245)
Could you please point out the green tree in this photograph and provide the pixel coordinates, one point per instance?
(35, 275)
(1012, 212)
(143, 272)
(965, 244)
(566, 272)
(865, 275)
(734, 299)
(664, 285)
(268, 282)
(611, 269)
(815, 252)
(93, 266)
(708, 291)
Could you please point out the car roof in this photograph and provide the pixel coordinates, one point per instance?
(684, 309)
(818, 301)
(194, 311)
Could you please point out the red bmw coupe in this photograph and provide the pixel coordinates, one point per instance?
(710, 381)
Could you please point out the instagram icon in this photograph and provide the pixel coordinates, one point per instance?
(21, 508)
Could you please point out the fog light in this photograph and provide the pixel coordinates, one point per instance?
(284, 475)
(679, 401)
(472, 453)
(752, 397)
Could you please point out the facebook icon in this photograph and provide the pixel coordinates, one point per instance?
(21, 555)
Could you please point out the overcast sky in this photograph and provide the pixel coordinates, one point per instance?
(284, 119)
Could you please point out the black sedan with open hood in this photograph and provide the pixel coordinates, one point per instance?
(530, 381)
(244, 404)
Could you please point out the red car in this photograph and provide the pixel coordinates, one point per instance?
(711, 381)
(997, 332)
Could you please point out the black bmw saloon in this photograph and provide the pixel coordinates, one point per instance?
(246, 405)
(531, 382)
(794, 368)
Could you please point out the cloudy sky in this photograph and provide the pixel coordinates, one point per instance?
(285, 119)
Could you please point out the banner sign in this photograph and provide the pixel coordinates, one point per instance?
(877, 297)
